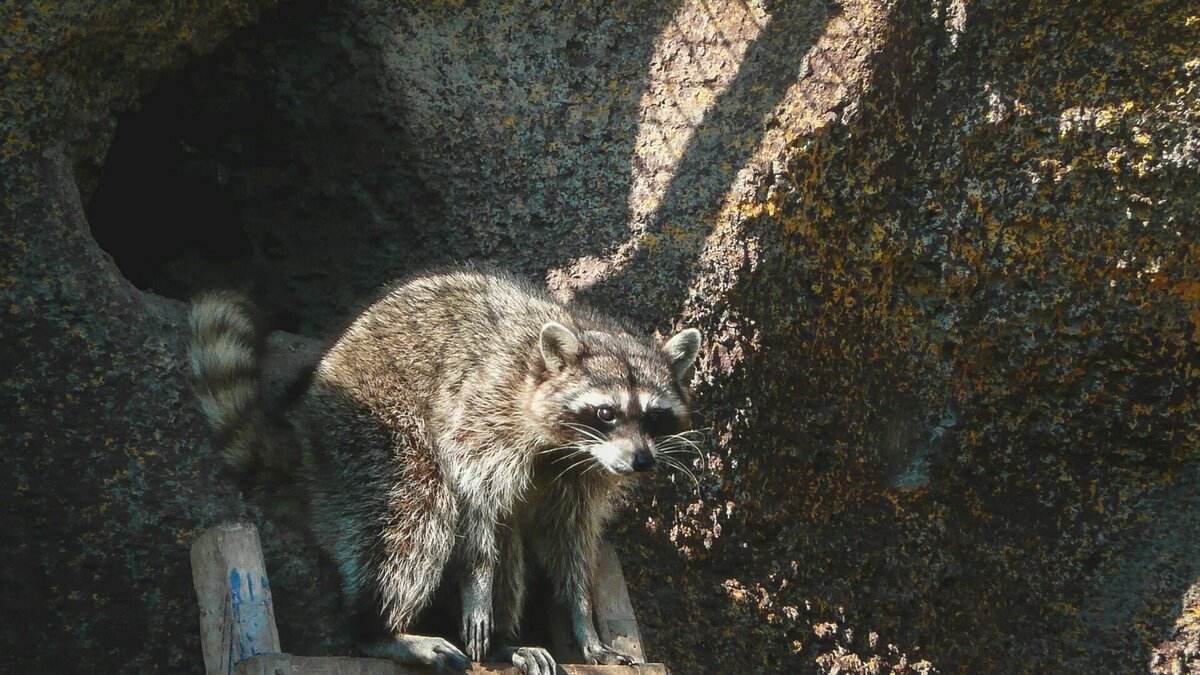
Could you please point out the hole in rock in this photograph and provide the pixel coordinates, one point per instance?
(163, 209)
(171, 203)
(264, 167)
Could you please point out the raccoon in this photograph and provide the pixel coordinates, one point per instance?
(462, 420)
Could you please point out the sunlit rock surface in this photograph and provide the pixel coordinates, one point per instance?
(944, 255)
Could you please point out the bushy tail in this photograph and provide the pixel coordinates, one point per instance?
(225, 351)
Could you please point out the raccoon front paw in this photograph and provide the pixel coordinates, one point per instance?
(418, 649)
(603, 655)
(445, 656)
(533, 661)
(476, 632)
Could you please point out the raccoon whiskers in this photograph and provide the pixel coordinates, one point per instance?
(676, 443)
(581, 462)
(573, 450)
(588, 432)
(574, 447)
(686, 452)
(676, 464)
(574, 453)
(691, 437)
(670, 455)
(680, 446)
(684, 470)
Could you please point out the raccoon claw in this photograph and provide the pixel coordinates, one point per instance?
(602, 655)
(418, 649)
(476, 632)
(534, 661)
(449, 657)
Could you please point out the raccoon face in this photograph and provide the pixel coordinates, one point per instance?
(615, 400)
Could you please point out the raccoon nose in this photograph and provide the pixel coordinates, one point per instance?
(643, 459)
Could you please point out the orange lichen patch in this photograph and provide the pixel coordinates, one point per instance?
(1189, 291)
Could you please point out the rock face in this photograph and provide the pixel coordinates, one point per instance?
(944, 254)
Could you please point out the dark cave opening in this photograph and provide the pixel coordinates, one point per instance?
(270, 166)
(246, 170)
(162, 204)
(170, 205)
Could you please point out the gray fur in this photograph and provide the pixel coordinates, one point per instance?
(452, 425)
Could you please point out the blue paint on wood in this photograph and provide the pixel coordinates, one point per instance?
(249, 615)
(229, 659)
(235, 586)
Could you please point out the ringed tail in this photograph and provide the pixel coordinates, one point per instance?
(225, 351)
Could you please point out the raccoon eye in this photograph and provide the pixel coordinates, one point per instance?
(658, 422)
(605, 414)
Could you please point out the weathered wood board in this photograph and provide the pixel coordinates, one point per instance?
(239, 636)
(237, 619)
(612, 607)
(286, 664)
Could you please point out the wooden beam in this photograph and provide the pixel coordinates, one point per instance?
(237, 619)
(286, 664)
(615, 621)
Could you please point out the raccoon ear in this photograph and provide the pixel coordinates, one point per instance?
(681, 350)
(560, 347)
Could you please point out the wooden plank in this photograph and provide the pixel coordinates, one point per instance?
(615, 621)
(237, 619)
(286, 664)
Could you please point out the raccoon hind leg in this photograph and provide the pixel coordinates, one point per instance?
(407, 564)
(393, 540)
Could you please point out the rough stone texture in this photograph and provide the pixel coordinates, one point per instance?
(944, 253)
(105, 480)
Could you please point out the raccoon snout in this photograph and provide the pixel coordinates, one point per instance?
(643, 460)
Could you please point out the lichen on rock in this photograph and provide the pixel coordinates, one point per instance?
(944, 256)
